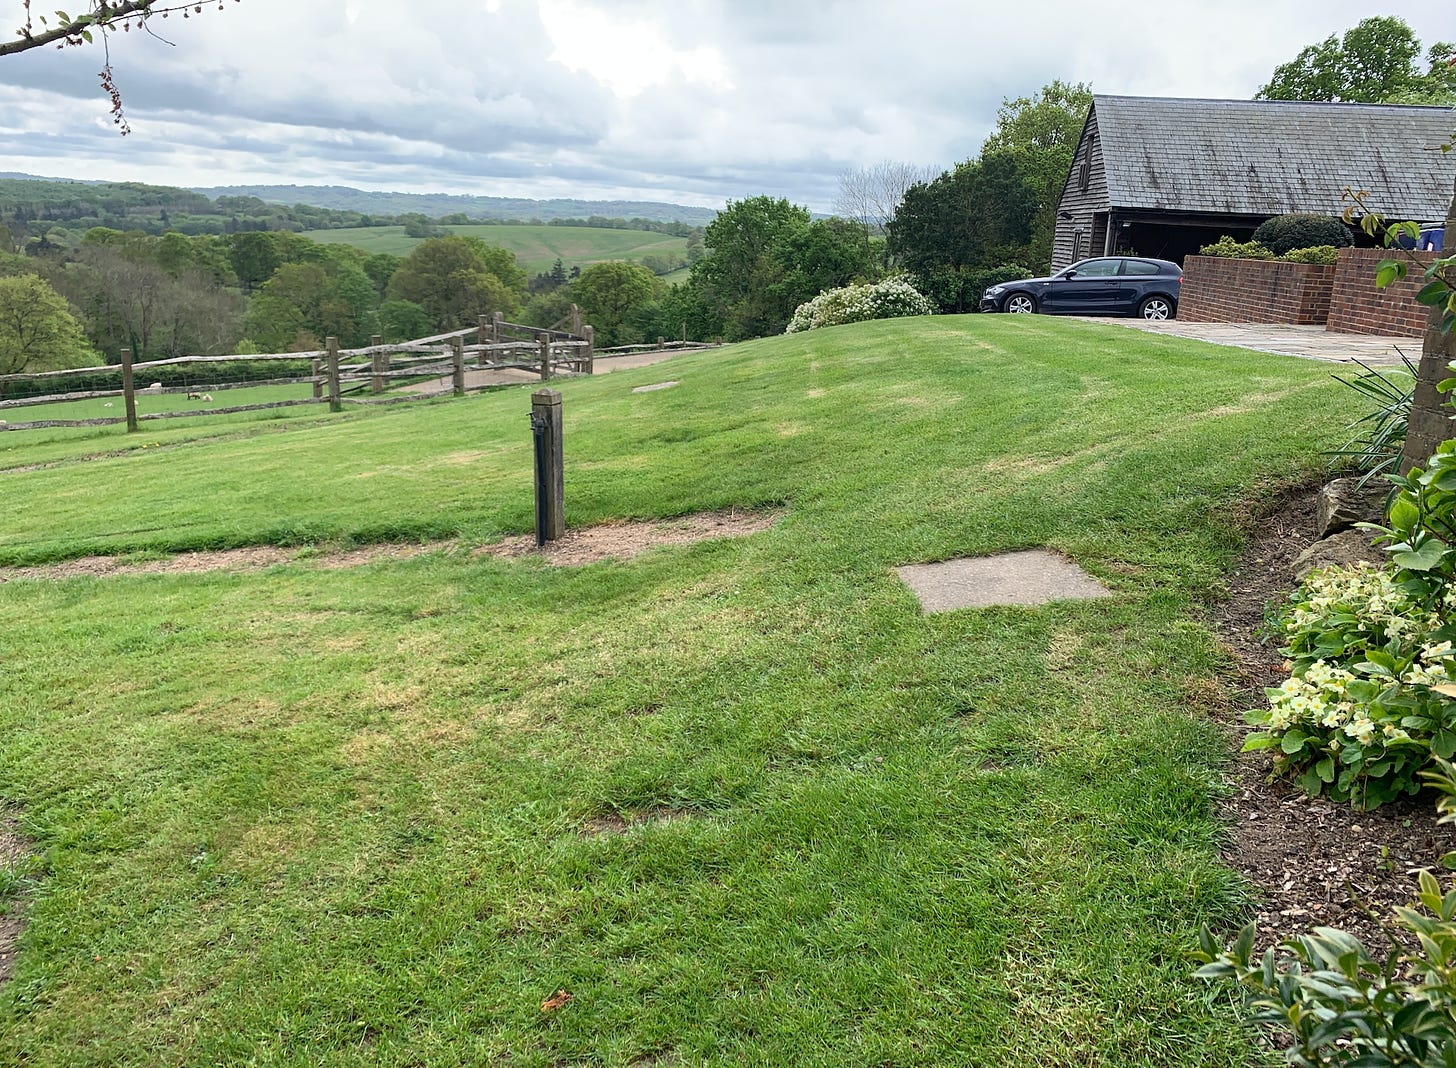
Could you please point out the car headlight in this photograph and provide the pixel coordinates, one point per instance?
(994, 290)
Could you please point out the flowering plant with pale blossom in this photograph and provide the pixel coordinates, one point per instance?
(1371, 698)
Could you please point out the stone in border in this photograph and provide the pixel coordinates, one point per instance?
(1036, 576)
(654, 387)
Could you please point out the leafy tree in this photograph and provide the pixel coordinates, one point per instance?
(1038, 136)
(735, 274)
(607, 292)
(827, 254)
(1372, 63)
(321, 299)
(547, 309)
(403, 320)
(380, 268)
(456, 279)
(37, 330)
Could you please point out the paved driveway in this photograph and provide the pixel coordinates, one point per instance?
(1306, 342)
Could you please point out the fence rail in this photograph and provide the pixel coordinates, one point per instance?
(497, 346)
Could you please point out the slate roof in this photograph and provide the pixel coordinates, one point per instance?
(1258, 157)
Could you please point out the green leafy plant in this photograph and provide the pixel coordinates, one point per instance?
(890, 299)
(1324, 255)
(1374, 448)
(1369, 700)
(1283, 233)
(1337, 1004)
(1228, 248)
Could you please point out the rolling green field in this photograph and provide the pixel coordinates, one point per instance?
(536, 247)
(740, 801)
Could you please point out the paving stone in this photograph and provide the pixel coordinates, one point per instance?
(654, 387)
(1036, 576)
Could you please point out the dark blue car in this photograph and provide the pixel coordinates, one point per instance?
(1108, 285)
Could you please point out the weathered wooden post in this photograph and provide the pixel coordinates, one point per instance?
(457, 354)
(482, 330)
(576, 319)
(544, 341)
(497, 327)
(661, 342)
(550, 473)
(380, 362)
(318, 384)
(128, 392)
(331, 347)
(588, 333)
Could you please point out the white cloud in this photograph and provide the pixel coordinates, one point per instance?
(687, 100)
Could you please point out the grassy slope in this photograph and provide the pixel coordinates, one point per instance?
(337, 817)
(536, 247)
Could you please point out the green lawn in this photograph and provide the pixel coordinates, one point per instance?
(536, 247)
(310, 816)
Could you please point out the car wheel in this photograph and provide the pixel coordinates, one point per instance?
(1156, 308)
(1020, 304)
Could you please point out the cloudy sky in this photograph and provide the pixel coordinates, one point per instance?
(689, 101)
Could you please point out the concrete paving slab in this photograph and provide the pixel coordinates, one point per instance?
(1305, 342)
(654, 387)
(1032, 577)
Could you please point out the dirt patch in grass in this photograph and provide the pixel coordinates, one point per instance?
(14, 848)
(622, 822)
(622, 541)
(1314, 862)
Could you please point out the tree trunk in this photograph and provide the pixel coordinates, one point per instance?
(1430, 417)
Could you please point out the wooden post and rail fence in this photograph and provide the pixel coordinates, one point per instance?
(440, 365)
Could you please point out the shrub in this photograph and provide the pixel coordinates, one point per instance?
(1228, 248)
(1283, 233)
(1325, 255)
(1338, 1004)
(1378, 440)
(889, 299)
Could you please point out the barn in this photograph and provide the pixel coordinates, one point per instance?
(1161, 177)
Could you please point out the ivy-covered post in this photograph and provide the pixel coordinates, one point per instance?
(1430, 415)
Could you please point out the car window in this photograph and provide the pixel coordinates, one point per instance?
(1140, 267)
(1097, 269)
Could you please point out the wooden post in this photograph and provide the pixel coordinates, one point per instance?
(588, 333)
(318, 386)
(380, 363)
(482, 330)
(544, 341)
(457, 353)
(576, 320)
(661, 343)
(128, 391)
(550, 473)
(496, 327)
(336, 402)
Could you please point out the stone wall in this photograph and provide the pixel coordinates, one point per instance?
(1358, 307)
(1221, 290)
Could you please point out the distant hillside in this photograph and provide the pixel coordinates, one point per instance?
(536, 247)
(437, 205)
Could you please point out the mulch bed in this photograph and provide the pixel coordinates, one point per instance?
(1314, 862)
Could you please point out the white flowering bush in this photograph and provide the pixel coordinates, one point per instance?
(890, 299)
(1371, 700)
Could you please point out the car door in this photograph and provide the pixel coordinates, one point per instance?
(1139, 278)
(1086, 288)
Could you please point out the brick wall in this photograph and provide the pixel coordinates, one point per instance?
(1357, 307)
(1221, 290)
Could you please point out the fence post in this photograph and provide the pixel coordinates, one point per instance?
(482, 332)
(662, 341)
(576, 320)
(380, 360)
(588, 333)
(331, 346)
(318, 386)
(128, 391)
(457, 353)
(544, 341)
(496, 327)
(550, 474)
